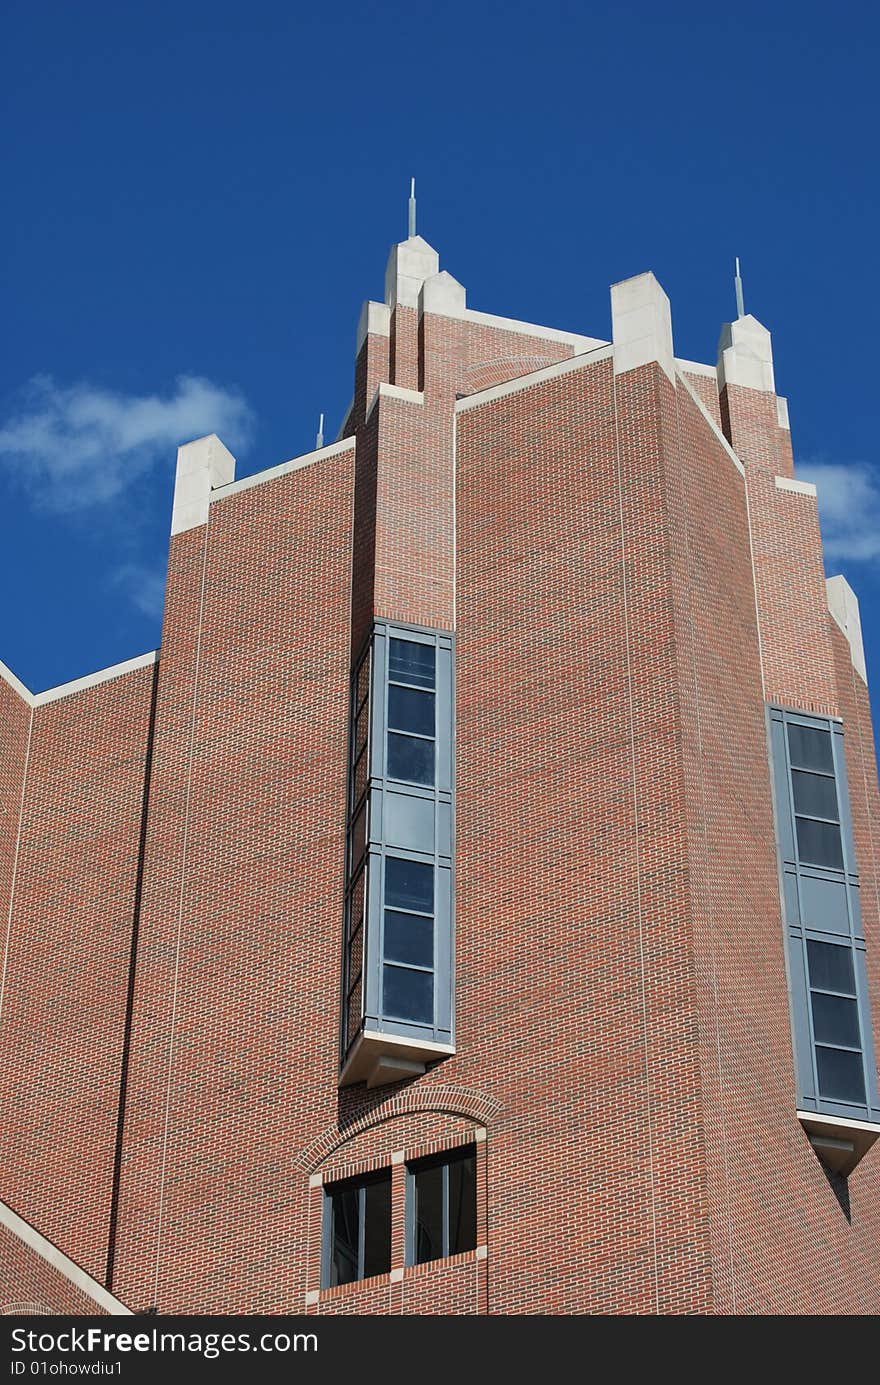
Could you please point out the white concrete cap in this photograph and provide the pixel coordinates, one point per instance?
(782, 412)
(444, 295)
(409, 265)
(745, 355)
(375, 320)
(201, 467)
(641, 325)
(844, 606)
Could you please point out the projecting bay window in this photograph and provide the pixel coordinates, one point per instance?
(397, 1003)
(833, 1047)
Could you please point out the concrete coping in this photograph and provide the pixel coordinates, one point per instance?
(259, 478)
(385, 391)
(534, 377)
(89, 680)
(62, 1263)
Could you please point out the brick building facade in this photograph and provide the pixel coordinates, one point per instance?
(464, 911)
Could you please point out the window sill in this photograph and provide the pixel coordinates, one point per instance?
(840, 1143)
(380, 1059)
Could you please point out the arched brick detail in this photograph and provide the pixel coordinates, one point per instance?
(451, 1101)
(497, 372)
(26, 1308)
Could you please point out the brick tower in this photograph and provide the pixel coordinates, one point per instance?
(465, 910)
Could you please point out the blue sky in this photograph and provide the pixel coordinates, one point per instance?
(200, 196)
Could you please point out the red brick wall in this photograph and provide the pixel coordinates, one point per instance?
(68, 963)
(236, 1033)
(29, 1284)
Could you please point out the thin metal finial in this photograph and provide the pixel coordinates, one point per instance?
(738, 284)
(319, 440)
(412, 207)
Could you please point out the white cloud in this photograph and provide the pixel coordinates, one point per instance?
(144, 587)
(849, 509)
(76, 446)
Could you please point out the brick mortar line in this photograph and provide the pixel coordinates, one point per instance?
(638, 870)
(14, 877)
(184, 846)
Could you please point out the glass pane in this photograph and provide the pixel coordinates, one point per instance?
(411, 663)
(841, 1076)
(815, 794)
(363, 682)
(409, 938)
(408, 995)
(377, 1227)
(361, 730)
(409, 885)
(831, 968)
(411, 710)
(355, 1013)
(462, 1204)
(358, 836)
(429, 1213)
(361, 775)
(344, 1211)
(410, 759)
(819, 843)
(809, 748)
(355, 956)
(835, 1020)
(356, 904)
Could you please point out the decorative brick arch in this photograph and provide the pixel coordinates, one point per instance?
(504, 368)
(450, 1101)
(26, 1308)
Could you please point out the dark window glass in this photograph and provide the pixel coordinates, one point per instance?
(444, 1190)
(409, 709)
(355, 1011)
(841, 1075)
(409, 662)
(819, 843)
(815, 794)
(363, 682)
(836, 1020)
(410, 759)
(358, 836)
(408, 995)
(409, 938)
(377, 1227)
(810, 748)
(409, 885)
(429, 1213)
(361, 776)
(831, 968)
(462, 1204)
(345, 1237)
(361, 730)
(355, 955)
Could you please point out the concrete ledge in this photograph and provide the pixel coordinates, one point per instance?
(534, 377)
(844, 607)
(782, 413)
(322, 454)
(16, 684)
(719, 436)
(785, 483)
(375, 320)
(66, 1267)
(580, 343)
(380, 1059)
(745, 355)
(384, 391)
(839, 1143)
(641, 325)
(91, 680)
(697, 368)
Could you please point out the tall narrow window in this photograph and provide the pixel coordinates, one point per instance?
(408, 970)
(442, 1206)
(817, 815)
(357, 1229)
(836, 1029)
(411, 712)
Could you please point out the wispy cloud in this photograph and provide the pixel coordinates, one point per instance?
(75, 446)
(144, 586)
(849, 509)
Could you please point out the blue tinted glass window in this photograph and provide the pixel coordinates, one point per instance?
(831, 968)
(411, 709)
(836, 1020)
(409, 885)
(815, 794)
(810, 748)
(408, 995)
(409, 938)
(841, 1075)
(819, 843)
(410, 759)
(409, 662)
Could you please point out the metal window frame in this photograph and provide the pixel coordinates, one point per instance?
(360, 1184)
(444, 1161)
